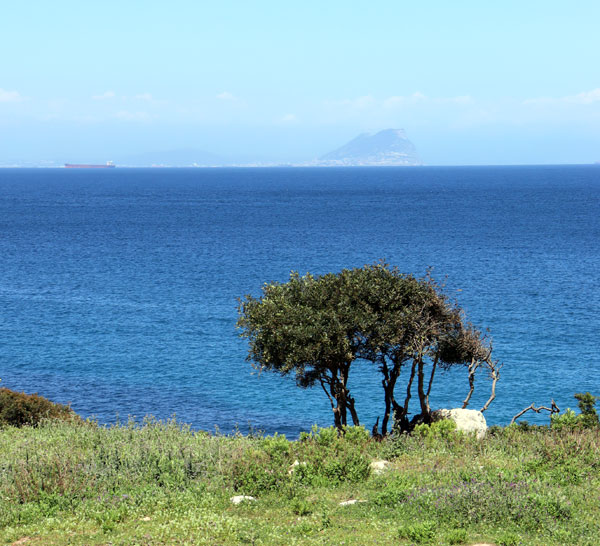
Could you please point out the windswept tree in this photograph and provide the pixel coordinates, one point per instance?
(317, 327)
(305, 327)
(411, 325)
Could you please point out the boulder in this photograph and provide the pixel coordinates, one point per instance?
(466, 420)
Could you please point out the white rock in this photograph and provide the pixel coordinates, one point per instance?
(379, 467)
(351, 501)
(466, 420)
(294, 465)
(241, 498)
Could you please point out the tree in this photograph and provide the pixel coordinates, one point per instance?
(411, 323)
(304, 327)
(317, 327)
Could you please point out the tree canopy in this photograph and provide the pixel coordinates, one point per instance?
(316, 328)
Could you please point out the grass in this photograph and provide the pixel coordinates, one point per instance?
(162, 483)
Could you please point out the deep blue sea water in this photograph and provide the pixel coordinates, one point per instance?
(118, 287)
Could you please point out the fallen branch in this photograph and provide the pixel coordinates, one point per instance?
(553, 409)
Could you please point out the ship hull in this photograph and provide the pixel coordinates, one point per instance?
(83, 166)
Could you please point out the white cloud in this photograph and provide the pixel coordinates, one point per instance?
(144, 96)
(226, 95)
(104, 96)
(461, 99)
(400, 100)
(360, 103)
(126, 115)
(585, 97)
(416, 97)
(10, 96)
(288, 118)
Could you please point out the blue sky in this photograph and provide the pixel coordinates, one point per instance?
(471, 82)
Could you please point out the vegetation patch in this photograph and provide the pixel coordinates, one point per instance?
(73, 482)
(18, 409)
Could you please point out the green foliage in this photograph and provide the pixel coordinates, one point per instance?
(277, 446)
(162, 483)
(587, 403)
(329, 469)
(442, 429)
(421, 533)
(301, 507)
(393, 494)
(315, 327)
(569, 420)
(509, 539)
(357, 436)
(18, 409)
(254, 472)
(456, 536)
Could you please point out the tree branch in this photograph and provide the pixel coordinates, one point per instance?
(495, 375)
(553, 409)
(325, 391)
(472, 369)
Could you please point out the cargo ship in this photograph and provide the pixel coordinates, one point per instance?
(107, 165)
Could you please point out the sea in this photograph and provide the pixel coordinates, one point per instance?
(119, 287)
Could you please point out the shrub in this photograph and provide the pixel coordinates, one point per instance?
(565, 421)
(569, 420)
(586, 403)
(392, 494)
(254, 472)
(456, 536)
(418, 532)
(18, 409)
(443, 428)
(277, 446)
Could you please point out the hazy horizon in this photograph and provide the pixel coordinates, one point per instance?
(471, 83)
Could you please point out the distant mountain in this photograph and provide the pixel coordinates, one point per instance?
(172, 158)
(387, 147)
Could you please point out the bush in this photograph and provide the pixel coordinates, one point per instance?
(456, 536)
(443, 429)
(254, 472)
(18, 409)
(569, 420)
(418, 532)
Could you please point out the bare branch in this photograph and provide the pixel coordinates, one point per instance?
(472, 369)
(325, 391)
(495, 375)
(553, 409)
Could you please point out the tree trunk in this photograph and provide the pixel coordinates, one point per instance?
(425, 413)
(352, 410)
(472, 369)
(400, 412)
(333, 397)
(435, 362)
(388, 387)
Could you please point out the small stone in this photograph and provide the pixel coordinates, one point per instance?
(294, 465)
(379, 467)
(351, 501)
(241, 498)
(146, 518)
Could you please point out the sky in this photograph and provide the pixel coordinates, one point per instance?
(471, 82)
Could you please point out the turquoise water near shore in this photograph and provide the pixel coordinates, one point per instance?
(118, 287)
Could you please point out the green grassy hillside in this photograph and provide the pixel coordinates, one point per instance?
(161, 483)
